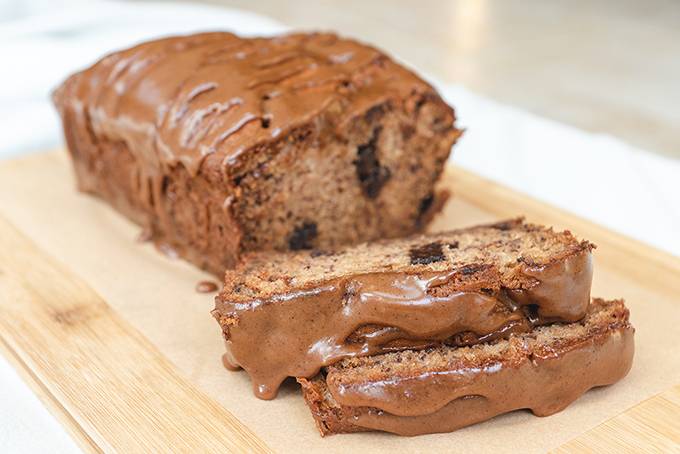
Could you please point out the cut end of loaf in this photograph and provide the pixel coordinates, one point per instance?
(326, 185)
(500, 249)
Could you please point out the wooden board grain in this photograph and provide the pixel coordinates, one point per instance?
(650, 426)
(113, 389)
(118, 389)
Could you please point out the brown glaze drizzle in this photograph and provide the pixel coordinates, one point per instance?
(447, 401)
(559, 289)
(301, 332)
(177, 100)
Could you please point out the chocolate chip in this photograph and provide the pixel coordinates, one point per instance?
(265, 121)
(372, 175)
(429, 253)
(318, 253)
(424, 210)
(471, 269)
(454, 245)
(507, 225)
(407, 131)
(425, 204)
(531, 312)
(526, 260)
(375, 113)
(303, 236)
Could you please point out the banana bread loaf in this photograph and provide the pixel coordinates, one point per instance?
(218, 144)
(291, 314)
(443, 389)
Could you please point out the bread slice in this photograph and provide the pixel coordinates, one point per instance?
(291, 314)
(443, 389)
(220, 145)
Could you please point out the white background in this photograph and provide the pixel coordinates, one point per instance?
(595, 176)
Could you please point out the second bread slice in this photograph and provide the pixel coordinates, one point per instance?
(443, 389)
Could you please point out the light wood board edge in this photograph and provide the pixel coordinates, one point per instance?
(80, 355)
(650, 426)
(623, 253)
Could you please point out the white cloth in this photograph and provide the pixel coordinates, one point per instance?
(595, 176)
(26, 426)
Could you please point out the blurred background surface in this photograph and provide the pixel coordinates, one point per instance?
(609, 66)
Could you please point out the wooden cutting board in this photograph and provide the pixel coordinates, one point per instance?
(116, 343)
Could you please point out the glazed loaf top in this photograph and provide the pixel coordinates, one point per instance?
(179, 99)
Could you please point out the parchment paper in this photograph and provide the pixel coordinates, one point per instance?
(156, 294)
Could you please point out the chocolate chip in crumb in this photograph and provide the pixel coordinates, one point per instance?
(375, 113)
(470, 269)
(372, 176)
(318, 253)
(303, 236)
(531, 312)
(504, 226)
(428, 253)
(425, 204)
(407, 131)
(454, 245)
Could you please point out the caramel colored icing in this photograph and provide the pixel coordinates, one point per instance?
(177, 100)
(559, 290)
(446, 401)
(298, 333)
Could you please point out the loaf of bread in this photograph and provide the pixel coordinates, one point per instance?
(292, 314)
(219, 145)
(442, 389)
